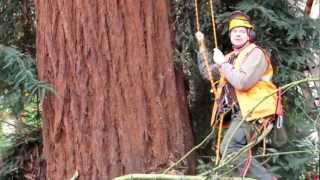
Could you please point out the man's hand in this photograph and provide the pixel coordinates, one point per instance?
(199, 36)
(201, 43)
(218, 56)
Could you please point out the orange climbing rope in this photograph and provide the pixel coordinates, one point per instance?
(197, 15)
(203, 49)
(213, 24)
(215, 90)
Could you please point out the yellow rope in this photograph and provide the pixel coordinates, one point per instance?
(197, 15)
(218, 93)
(213, 25)
(219, 138)
(203, 50)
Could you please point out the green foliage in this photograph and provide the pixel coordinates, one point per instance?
(291, 38)
(18, 80)
(22, 158)
(21, 93)
(20, 96)
(186, 54)
(17, 24)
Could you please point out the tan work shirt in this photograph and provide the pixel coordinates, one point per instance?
(250, 72)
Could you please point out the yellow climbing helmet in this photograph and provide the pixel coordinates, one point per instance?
(239, 19)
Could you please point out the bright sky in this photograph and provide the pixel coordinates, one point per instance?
(315, 9)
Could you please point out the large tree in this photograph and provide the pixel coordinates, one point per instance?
(119, 107)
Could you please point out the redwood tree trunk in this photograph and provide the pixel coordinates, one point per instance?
(118, 106)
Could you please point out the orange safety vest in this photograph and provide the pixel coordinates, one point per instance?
(249, 100)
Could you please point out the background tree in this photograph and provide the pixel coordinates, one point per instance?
(119, 107)
(20, 94)
(281, 27)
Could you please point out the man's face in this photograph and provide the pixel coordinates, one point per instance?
(239, 36)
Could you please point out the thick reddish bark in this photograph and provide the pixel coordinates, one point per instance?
(308, 7)
(118, 106)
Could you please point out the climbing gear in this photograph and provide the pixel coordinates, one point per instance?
(218, 101)
(259, 101)
(224, 103)
(247, 102)
(279, 135)
(218, 57)
(279, 110)
(252, 109)
(239, 19)
(263, 126)
(279, 122)
(219, 138)
(215, 90)
(239, 23)
(203, 49)
(213, 24)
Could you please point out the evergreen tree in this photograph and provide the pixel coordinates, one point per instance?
(20, 92)
(292, 39)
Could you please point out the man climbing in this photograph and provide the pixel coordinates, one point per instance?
(247, 72)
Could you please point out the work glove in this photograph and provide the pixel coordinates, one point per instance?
(202, 52)
(201, 62)
(201, 43)
(218, 57)
(199, 36)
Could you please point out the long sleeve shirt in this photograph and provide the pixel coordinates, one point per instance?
(250, 72)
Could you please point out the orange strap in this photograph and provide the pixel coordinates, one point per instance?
(222, 83)
(219, 138)
(248, 162)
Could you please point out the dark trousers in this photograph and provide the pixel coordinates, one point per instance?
(238, 141)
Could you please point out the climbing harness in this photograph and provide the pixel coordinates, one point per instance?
(217, 87)
(265, 123)
(279, 110)
(203, 49)
(217, 91)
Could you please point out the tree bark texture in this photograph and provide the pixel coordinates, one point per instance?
(119, 107)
